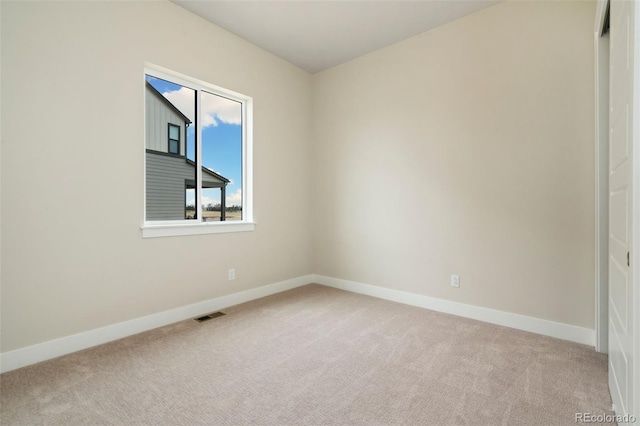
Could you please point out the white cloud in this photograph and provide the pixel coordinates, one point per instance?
(207, 200)
(235, 199)
(191, 197)
(214, 108)
(183, 99)
(191, 200)
(223, 109)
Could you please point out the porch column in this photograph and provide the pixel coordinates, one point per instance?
(223, 203)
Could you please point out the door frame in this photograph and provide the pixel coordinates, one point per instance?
(601, 324)
(602, 182)
(635, 218)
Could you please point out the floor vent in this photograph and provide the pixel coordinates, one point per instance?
(209, 316)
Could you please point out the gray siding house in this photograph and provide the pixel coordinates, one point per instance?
(169, 173)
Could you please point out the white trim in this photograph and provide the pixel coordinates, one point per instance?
(558, 330)
(247, 158)
(54, 348)
(602, 193)
(188, 81)
(65, 345)
(170, 228)
(634, 377)
(198, 151)
(197, 228)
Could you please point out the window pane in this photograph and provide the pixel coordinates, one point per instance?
(168, 178)
(174, 146)
(221, 158)
(174, 132)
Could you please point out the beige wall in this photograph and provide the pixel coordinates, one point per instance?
(465, 150)
(72, 167)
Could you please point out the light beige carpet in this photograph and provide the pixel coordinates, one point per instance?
(315, 356)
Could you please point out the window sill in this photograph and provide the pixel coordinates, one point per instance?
(150, 230)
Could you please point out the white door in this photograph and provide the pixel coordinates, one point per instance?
(621, 118)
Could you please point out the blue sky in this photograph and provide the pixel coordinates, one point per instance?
(221, 137)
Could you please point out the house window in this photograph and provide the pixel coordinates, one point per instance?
(174, 139)
(198, 179)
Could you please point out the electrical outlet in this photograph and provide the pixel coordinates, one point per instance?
(455, 281)
(232, 274)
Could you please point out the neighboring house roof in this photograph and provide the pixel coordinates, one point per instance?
(209, 172)
(166, 101)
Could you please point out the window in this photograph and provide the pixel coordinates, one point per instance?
(197, 157)
(174, 139)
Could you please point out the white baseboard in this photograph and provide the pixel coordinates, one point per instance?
(558, 330)
(65, 345)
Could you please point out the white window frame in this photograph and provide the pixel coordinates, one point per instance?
(170, 228)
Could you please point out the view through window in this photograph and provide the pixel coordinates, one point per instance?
(193, 152)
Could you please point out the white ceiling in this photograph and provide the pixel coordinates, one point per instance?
(316, 35)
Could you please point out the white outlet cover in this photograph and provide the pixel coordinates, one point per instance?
(455, 281)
